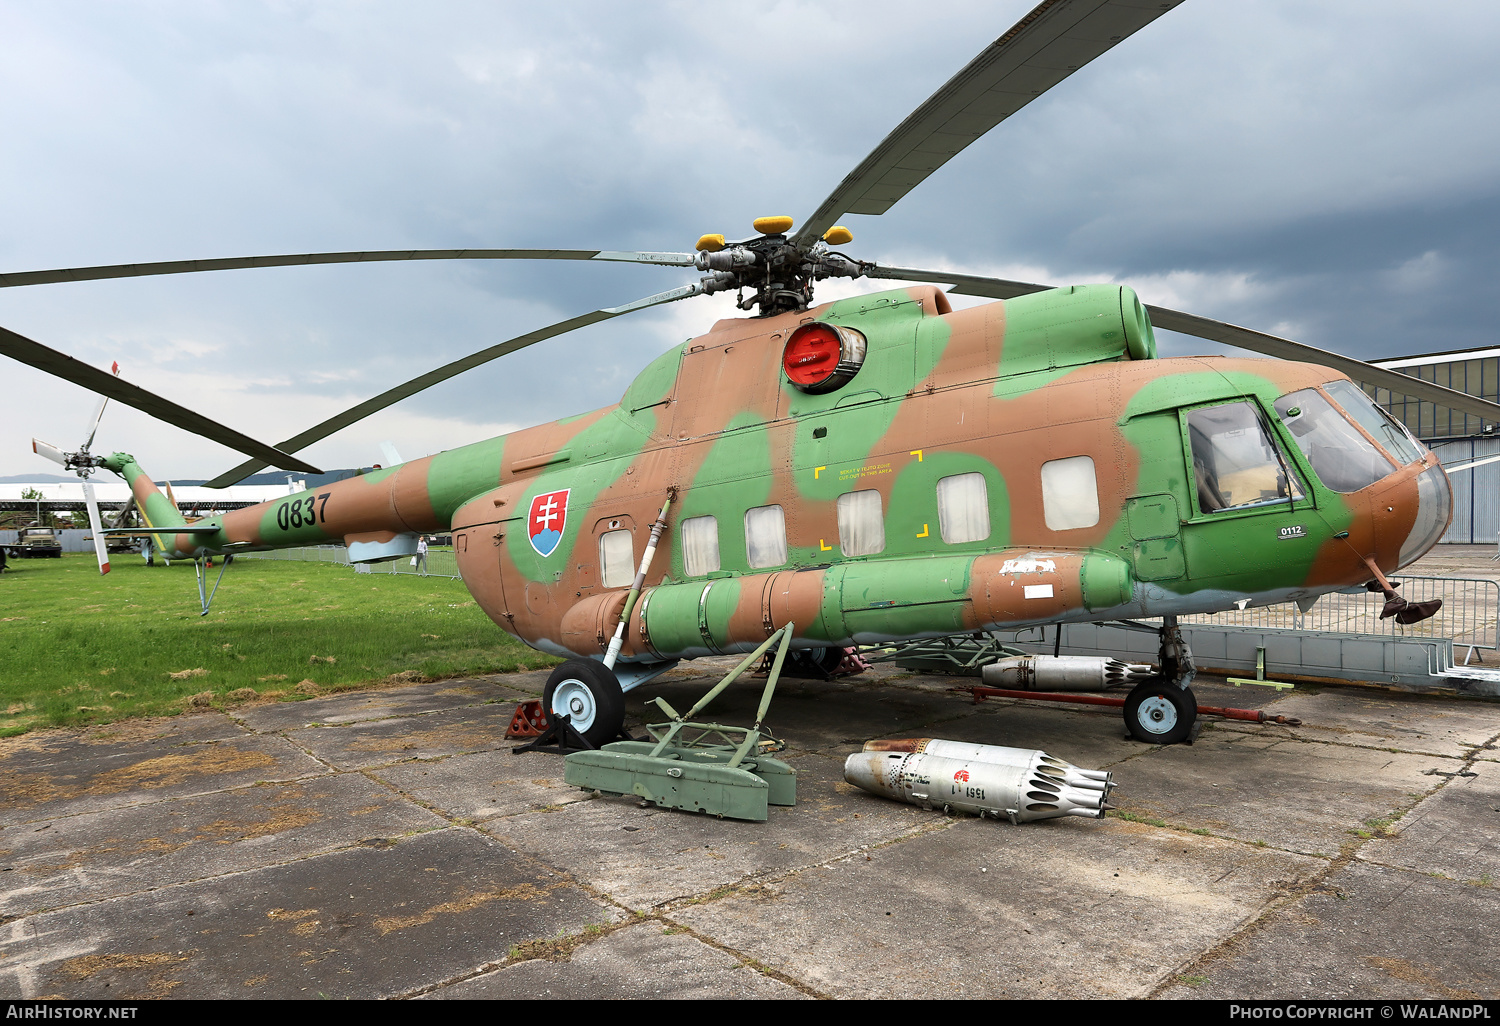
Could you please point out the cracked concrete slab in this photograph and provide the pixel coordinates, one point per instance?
(483, 785)
(414, 700)
(814, 714)
(1452, 727)
(238, 825)
(646, 961)
(646, 857)
(1454, 832)
(1061, 909)
(382, 742)
(372, 921)
(29, 753)
(97, 779)
(1367, 932)
(96, 856)
(1260, 788)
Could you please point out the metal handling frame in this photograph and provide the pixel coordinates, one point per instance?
(703, 767)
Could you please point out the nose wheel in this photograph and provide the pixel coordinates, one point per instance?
(1159, 712)
(1162, 711)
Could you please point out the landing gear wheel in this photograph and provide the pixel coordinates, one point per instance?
(589, 694)
(1160, 713)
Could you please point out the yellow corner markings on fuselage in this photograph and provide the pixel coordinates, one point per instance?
(924, 532)
(917, 453)
(818, 470)
(824, 548)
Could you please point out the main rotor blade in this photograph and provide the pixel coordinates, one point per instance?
(1229, 334)
(34, 354)
(16, 278)
(962, 284)
(1286, 349)
(1056, 39)
(443, 373)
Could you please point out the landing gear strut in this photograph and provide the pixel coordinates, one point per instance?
(1162, 711)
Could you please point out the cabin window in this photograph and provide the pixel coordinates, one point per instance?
(1070, 493)
(963, 508)
(616, 559)
(765, 536)
(861, 523)
(1234, 464)
(700, 545)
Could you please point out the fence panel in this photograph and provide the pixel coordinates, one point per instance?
(1470, 613)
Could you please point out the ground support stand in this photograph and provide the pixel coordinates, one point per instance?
(703, 767)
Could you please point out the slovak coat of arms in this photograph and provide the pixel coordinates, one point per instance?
(545, 522)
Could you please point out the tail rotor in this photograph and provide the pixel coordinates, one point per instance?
(83, 464)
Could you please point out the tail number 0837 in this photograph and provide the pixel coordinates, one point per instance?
(302, 512)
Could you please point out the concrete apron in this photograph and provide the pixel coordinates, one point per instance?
(387, 843)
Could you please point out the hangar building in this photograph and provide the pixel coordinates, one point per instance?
(1456, 437)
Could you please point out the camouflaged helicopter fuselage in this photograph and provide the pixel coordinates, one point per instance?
(996, 390)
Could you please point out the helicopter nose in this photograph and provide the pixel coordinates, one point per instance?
(1434, 510)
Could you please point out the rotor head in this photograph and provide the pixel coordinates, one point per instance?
(778, 270)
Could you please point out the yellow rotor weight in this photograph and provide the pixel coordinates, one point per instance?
(773, 225)
(710, 243)
(838, 235)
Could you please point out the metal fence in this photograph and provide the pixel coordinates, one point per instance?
(440, 562)
(1470, 615)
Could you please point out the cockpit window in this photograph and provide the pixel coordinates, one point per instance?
(1340, 455)
(1382, 426)
(1234, 464)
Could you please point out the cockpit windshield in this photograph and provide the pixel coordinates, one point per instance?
(1342, 457)
(1384, 428)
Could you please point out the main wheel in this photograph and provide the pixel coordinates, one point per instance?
(1160, 713)
(589, 694)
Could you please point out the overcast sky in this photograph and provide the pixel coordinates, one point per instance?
(1329, 172)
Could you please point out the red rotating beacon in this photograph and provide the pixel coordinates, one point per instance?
(823, 357)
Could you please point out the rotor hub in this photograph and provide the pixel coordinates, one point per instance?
(778, 272)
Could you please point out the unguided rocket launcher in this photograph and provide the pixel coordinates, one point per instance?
(1017, 784)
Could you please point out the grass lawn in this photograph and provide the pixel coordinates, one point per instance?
(78, 648)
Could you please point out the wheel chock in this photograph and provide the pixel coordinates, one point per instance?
(530, 720)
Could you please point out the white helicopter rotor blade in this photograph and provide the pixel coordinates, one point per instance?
(100, 550)
(392, 457)
(99, 413)
(98, 416)
(52, 452)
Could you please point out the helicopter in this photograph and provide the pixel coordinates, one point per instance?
(872, 469)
